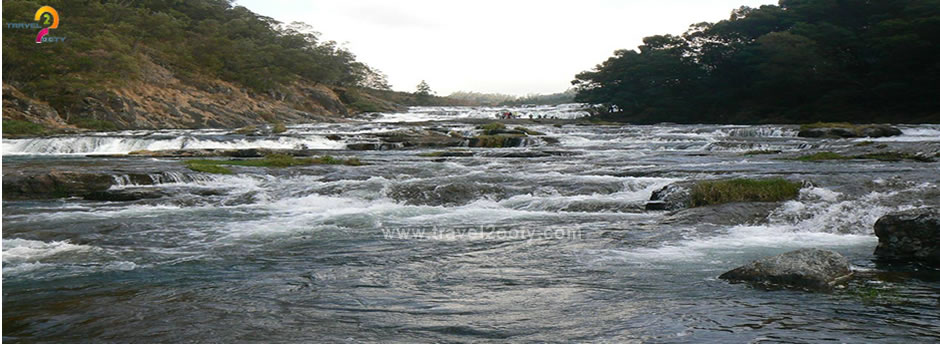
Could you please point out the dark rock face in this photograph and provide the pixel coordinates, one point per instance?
(873, 130)
(54, 184)
(804, 269)
(910, 236)
(671, 197)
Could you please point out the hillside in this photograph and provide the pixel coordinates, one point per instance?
(176, 64)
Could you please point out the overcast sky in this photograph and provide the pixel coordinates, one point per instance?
(509, 46)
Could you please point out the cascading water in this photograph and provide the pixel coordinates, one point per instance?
(479, 247)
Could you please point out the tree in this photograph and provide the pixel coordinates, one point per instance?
(423, 90)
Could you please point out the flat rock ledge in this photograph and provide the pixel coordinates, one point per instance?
(805, 269)
(911, 236)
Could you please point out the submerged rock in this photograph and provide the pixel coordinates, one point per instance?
(910, 236)
(674, 196)
(124, 195)
(723, 214)
(804, 269)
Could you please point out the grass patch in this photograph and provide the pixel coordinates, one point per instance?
(492, 128)
(206, 166)
(529, 132)
(272, 160)
(95, 124)
(246, 130)
(22, 128)
(492, 141)
(864, 144)
(822, 156)
(743, 190)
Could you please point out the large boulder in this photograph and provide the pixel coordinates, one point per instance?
(54, 184)
(910, 236)
(804, 269)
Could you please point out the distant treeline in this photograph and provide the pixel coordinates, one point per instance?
(800, 61)
(496, 99)
(107, 43)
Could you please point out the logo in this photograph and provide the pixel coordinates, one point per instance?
(48, 18)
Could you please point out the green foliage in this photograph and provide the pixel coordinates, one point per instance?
(797, 62)
(278, 127)
(206, 166)
(12, 127)
(271, 160)
(743, 190)
(94, 124)
(492, 128)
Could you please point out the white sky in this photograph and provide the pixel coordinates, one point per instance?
(510, 46)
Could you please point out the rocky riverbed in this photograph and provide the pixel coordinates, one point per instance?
(451, 228)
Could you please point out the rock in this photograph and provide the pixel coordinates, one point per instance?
(910, 236)
(333, 137)
(804, 269)
(728, 214)
(869, 130)
(54, 184)
(124, 195)
(452, 194)
(671, 197)
(879, 130)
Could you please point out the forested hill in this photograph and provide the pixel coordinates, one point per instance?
(800, 61)
(174, 63)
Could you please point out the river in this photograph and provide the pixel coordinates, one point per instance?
(554, 247)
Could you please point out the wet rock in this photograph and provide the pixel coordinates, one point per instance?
(805, 269)
(124, 195)
(723, 214)
(848, 131)
(910, 236)
(452, 194)
(333, 137)
(54, 184)
(671, 197)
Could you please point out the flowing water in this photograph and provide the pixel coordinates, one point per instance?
(554, 247)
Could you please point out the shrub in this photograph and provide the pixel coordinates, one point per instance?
(22, 128)
(743, 190)
(278, 127)
(95, 124)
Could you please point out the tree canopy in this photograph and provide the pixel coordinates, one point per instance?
(799, 61)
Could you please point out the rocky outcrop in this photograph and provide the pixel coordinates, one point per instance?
(54, 184)
(159, 100)
(804, 269)
(849, 131)
(18, 106)
(910, 236)
(674, 196)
